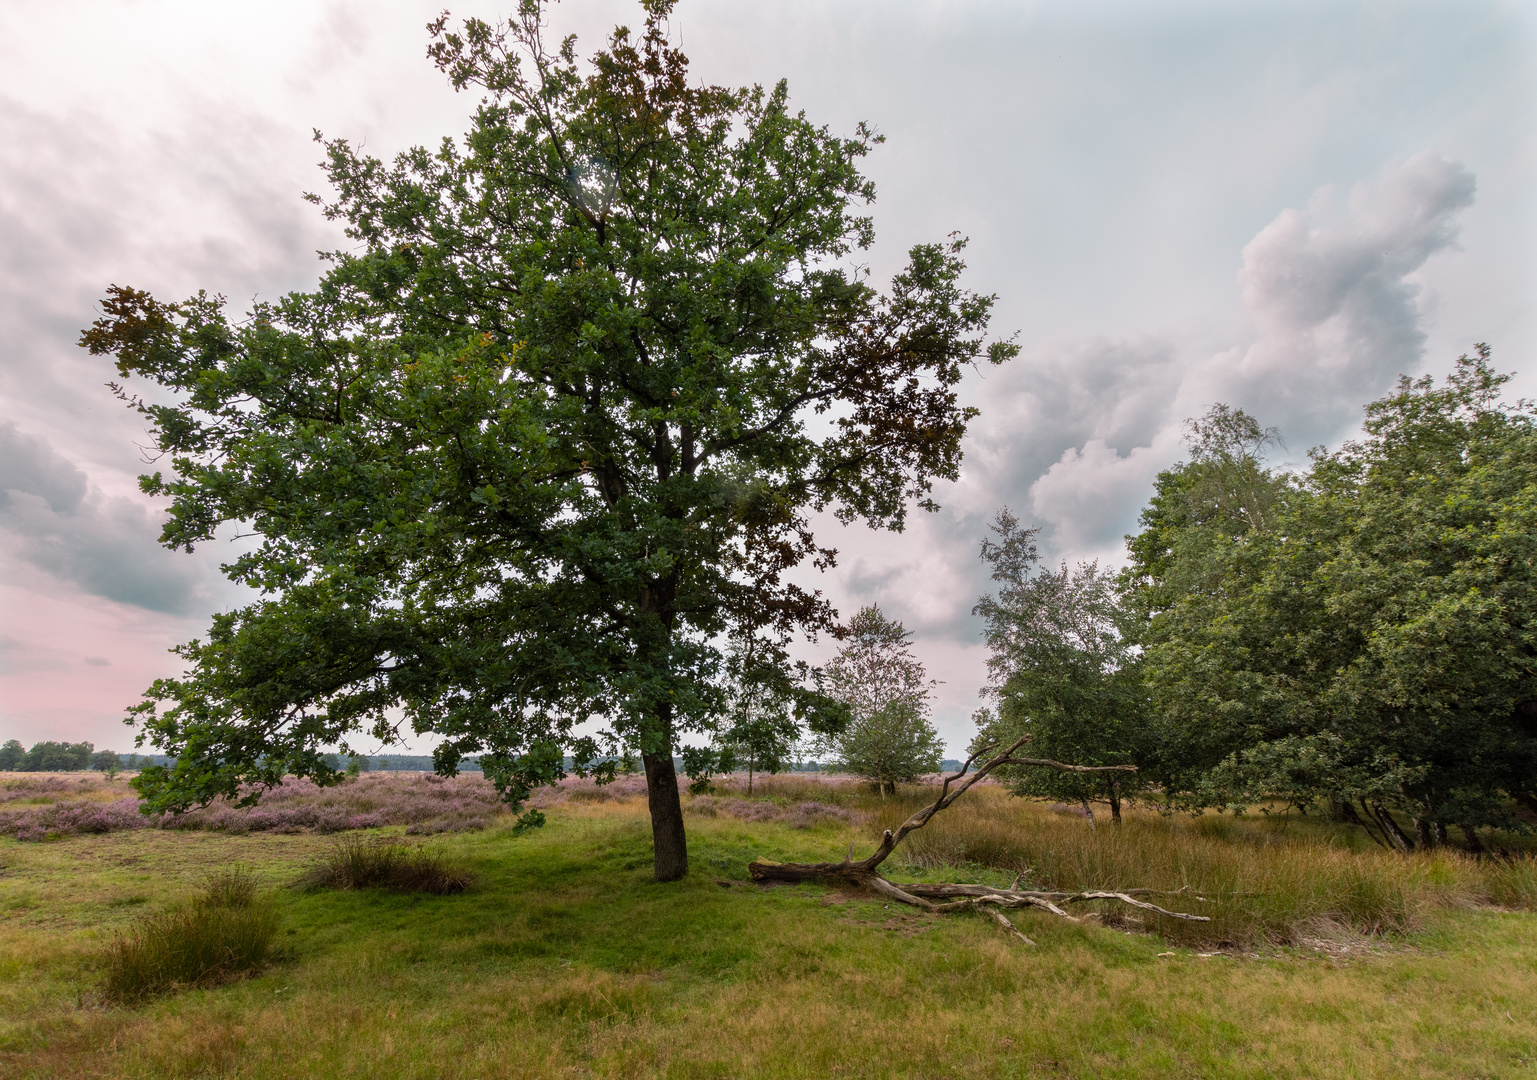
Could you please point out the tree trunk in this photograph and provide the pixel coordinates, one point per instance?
(669, 844)
(1115, 804)
(1424, 833)
(1470, 834)
(1390, 828)
(1348, 813)
(1087, 809)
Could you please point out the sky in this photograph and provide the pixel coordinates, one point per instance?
(1279, 206)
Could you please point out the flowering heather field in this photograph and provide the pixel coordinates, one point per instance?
(39, 807)
(798, 800)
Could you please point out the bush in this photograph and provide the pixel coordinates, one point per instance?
(355, 864)
(224, 933)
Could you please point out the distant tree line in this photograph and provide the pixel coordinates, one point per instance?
(1354, 638)
(69, 757)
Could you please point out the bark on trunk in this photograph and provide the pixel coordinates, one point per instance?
(1470, 834)
(668, 840)
(1424, 833)
(1089, 810)
(1391, 830)
(1348, 813)
(1115, 803)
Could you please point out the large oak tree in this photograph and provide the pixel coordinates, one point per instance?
(550, 433)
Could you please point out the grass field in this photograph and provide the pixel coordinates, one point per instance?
(565, 959)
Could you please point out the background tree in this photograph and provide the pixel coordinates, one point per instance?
(888, 739)
(1061, 671)
(1202, 537)
(12, 755)
(542, 438)
(106, 762)
(760, 729)
(51, 756)
(1373, 646)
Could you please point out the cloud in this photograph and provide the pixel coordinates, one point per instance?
(1086, 493)
(1073, 433)
(1333, 298)
(31, 466)
(54, 521)
(1332, 290)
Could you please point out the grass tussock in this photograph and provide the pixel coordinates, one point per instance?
(227, 931)
(1259, 881)
(1511, 883)
(358, 864)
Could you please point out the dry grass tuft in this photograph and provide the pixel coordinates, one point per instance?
(357, 864)
(1511, 882)
(222, 934)
(1258, 883)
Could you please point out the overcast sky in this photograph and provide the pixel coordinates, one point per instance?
(1282, 206)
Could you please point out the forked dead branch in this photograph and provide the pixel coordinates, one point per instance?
(958, 897)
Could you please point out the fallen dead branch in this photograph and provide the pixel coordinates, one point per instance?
(940, 898)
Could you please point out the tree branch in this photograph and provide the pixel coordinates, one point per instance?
(965, 897)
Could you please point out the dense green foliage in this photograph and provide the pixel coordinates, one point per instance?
(888, 738)
(1369, 638)
(1360, 636)
(549, 433)
(1061, 669)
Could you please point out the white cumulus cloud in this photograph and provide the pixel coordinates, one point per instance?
(1332, 294)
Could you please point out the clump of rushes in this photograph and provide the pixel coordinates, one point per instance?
(357, 864)
(224, 933)
(1512, 882)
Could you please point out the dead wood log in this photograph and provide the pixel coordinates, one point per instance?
(865, 873)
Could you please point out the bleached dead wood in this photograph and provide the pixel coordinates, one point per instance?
(941, 898)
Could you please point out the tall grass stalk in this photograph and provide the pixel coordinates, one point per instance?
(1512, 883)
(225, 932)
(1257, 882)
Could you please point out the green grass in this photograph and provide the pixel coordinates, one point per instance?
(565, 959)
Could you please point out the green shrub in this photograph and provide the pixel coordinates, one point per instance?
(357, 864)
(225, 932)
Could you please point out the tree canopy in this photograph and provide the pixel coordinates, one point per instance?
(549, 433)
(1060, 670)
(1370, 640)
(888, 738)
